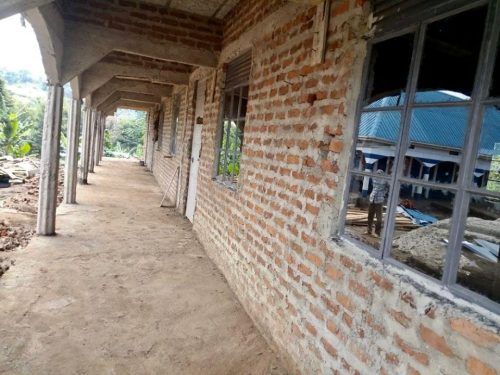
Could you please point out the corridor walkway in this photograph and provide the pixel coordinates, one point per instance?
(124, 288)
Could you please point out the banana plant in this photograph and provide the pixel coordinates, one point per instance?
(11, 138)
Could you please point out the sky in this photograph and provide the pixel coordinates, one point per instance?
(19, 47)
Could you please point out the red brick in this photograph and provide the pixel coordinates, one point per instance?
(477, 367)
(333, 272)
(434, 340)
(304, 269)
(406, 348)
(400, 317)
(329, 348)
(474, 333)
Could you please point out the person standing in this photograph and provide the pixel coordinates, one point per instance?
(376, 201)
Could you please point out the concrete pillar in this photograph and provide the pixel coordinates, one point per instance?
(71, 168)
(97, 153)
(86, 136)
(419, 191)
(49, 162)
(103, 130)
(93, 128)
(366, 180)
(101, 144)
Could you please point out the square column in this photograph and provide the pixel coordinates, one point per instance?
(49, 162)
(97, 154)
(71, 167)
(103, 132)
(86, 136)
(93, 128)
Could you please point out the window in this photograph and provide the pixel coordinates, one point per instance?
(175, 123)
(424, 185)
(233, 119)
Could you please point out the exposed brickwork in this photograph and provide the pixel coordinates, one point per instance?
(148, 20)
(328, 307)
(246, 15)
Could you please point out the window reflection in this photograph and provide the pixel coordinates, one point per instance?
(421, 228)
(450, 57)
(376, 145)
(390, 66)
(479, 267)
(495, 81)
(487, 171)
(437, 137)
(367, 207)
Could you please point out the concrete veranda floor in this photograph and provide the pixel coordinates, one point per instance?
(124, 288)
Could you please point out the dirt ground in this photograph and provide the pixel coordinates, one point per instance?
(124, 288)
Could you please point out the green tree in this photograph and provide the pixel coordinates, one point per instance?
(127, 135)
(5, 102)
(31, 115)
(11, 138)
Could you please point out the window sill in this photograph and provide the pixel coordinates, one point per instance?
(233, 186)
(458, 295)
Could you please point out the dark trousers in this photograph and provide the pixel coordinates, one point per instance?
(375, 209)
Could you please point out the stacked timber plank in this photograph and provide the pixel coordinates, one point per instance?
(358, 217)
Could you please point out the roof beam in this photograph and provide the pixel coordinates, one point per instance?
(86, 44)
(130, 97)
(10, 7)
(127, 104)
(128, 85)
(48, 24)
(102, 72)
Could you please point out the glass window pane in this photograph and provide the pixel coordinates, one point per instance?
(487, 171)
(450, 57)
(421, 228)
(389, 69)
(366, 209)
(437, 137)
(376, 144)
(479, 267)
(495, 82)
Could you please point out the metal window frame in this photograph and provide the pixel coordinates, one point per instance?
(219, 136)
(232, 92)
(463, 188)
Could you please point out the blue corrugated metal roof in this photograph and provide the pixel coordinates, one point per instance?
(436, 126)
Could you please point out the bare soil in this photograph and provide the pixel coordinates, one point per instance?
(18, 210)
(124, 288)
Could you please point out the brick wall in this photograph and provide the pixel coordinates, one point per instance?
(246, 15)
(164, 163)
(328, 307)
(149, 20)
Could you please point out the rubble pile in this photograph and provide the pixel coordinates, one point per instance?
(22, 195)
(19, 186)
(5, 265)
(14, 236)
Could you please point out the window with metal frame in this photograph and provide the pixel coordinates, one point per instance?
(233, 119)
(175, 123)
(424, 182)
